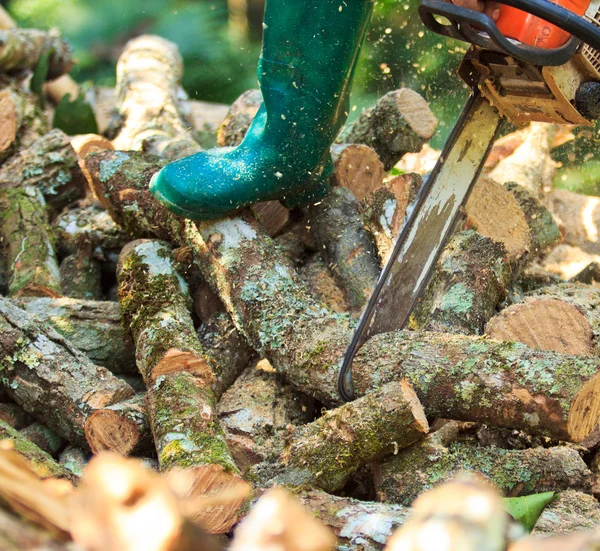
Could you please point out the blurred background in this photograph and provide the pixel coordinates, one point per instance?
(220, 43)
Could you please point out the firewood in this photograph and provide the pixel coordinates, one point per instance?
(14, 415)
(297, 243)
(347, 246)
(590, 275)
(566, 261)
(183, 416)
(86, 143)
(570, 511)
(326, 452)
(530, 165)
(495, 213)
(18, 535)
(73, 459)
(122, 428)
(357, 168)
(399, 123)
(93, 222)
(39, 461)
(543, 230)
(49, 164)
(307, 341)
(49, 378)
(465, 514)
(383, 211)
(278, 521)
(80, 273)
(156, 305)
(586, 540)
(149, 75)
(321, 283)
(422, 162)
(257, 413)
(272, 215)
(23, 49)
(239, 117)
(44, 438)
(563, 318)
(109, 515)
(468, 283)
(358, 525)
(402, 478)
(29, 244)
(93, 327)
(206, 117)
(580, 218)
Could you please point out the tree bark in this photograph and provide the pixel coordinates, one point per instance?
(73, 459)
(239, 117)
(81, 273)
(321, 284)
(14, 415)
(570, 511)
(44, 438)
(51, 379)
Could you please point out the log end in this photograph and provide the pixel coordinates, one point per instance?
(176, 361)
(585, 411)
(106, 430)
(420, 419)
(416, 111)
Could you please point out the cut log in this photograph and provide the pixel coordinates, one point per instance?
(347, 246)
(495, 213)
(321, 283)
(399, 123)
(422, 162)
(326, 452)
(543, 230)
(530, 165)
(579, 216)
(239, 117)
(23, 49)
(468, 283)
(14, 415)
(149, 75)
(257, 413)
(358, 525)
(156, 305)
(44, 438)
(121, 428)
(272, 215)
(357, 168)
(563, 317)
(50, 378)
(29, 244)
(73, 459)
(384, 210)
(566, 261)
(93, 327)
(86, 143)
(80, 273)
(278, 521)
(402, 478)
(106, 515)
(465, 514)
(570, 511)
(49, 164)
(590, 275)
(188, 437)
(40, 461)
(206, 117)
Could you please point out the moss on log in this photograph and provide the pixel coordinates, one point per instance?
(347, 246)
(41, 462)
(93, 327)
(326, 452)
(570, 511)
(49, 164)
(44, 438)
(29, 244)
(73, 459)
(50, 378)
(400, 122)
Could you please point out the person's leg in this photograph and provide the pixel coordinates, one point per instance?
(310, 49)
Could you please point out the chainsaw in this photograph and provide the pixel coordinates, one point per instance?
(539, 61)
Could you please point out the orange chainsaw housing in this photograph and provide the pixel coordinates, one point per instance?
(533, 31)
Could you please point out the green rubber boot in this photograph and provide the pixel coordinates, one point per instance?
(310, 49)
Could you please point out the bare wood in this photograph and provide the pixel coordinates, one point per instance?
(93, 327)
(399, 123)
(347, 246)
(29, 244)
(121, 428)
(465, 513)
(357, 168)
(563, 318)
(110, 515)
(530, 165)
(86, 143)
(272, 215)
(579, 215)
(49, 164)
(278, 521)
(51, 379)
(326, 452)
(495, 213)
(570, 511)
(149, 75)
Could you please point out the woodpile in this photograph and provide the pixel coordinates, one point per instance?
(163, 381)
